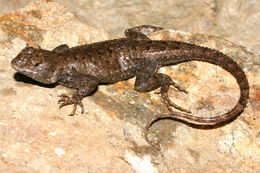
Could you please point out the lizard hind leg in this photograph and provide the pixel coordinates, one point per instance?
(146, 82)
(166, 82)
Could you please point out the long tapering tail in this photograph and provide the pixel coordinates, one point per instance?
(197, 53)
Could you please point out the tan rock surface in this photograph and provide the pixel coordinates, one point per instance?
(236, 20)
(38, 137)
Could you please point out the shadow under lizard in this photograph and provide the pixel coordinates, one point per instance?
(84, 67)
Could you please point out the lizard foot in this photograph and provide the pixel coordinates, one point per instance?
(170, 104)
(67, 100)
(166, 100)
(178, 87)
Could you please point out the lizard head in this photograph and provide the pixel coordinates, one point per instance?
(37, 64)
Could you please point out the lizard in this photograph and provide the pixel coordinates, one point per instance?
(85, 67)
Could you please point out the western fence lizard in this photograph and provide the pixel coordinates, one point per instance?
(84, 67)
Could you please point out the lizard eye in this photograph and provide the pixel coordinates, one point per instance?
(36, 64)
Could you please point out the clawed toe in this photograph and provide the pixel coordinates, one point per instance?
(67, 100)
(82, 107)
(178, 87)
(62, 104)
(170, 104)
(64, 98)
(166, 100)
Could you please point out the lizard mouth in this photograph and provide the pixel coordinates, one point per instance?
(15, 67)
(15, 64)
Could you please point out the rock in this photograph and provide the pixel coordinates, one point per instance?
(236, 20)
(38, 137)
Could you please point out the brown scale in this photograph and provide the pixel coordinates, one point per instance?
(83, 68)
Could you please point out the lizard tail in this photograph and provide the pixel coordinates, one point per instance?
(214, 57)
(217, 58)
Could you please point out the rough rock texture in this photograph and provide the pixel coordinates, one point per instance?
(38, 137)
(236, 20)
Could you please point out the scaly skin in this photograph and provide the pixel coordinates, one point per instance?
(83, 68)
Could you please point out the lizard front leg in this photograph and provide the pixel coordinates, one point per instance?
(84, 86)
